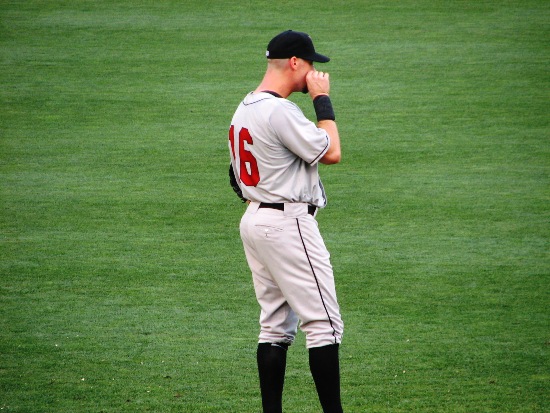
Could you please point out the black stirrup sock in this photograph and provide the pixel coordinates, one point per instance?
(271, 368)
(325, 369)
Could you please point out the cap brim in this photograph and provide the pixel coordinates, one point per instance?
(320, 58)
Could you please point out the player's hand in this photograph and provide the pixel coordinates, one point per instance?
(318, 83)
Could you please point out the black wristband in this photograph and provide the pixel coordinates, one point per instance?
(323, 108)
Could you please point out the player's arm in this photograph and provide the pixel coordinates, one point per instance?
(334, 154)
(319, 87)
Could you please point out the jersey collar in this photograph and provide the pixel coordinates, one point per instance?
(272, 93)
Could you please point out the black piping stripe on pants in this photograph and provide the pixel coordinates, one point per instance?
(317, 282)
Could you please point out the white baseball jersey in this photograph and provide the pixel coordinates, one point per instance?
(275, 151)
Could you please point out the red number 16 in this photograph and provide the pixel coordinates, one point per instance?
(249, 177)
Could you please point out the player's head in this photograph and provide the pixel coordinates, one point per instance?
(293, 44)
(293, 53)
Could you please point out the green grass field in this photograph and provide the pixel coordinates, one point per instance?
(123, 284)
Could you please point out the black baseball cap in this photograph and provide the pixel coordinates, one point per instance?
(290, 43)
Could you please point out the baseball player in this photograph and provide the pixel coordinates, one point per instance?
(275, 151)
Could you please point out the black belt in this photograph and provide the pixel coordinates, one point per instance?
(281, 207)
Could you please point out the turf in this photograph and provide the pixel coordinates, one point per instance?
(123, 285)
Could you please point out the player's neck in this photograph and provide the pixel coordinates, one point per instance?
(273, 89)
(275, 82)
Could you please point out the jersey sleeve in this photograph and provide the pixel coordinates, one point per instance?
(300, 135)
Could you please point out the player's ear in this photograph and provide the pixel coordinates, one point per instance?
(293, 62)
